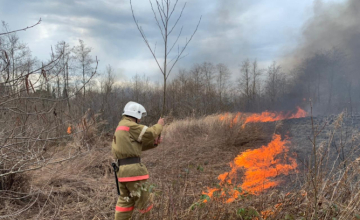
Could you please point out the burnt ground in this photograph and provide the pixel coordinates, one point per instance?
(337, 139)
(337, 136)
(337, 142)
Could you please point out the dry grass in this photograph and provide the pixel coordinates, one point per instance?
(193, 154)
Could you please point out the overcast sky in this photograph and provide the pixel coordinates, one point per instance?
(230, 30)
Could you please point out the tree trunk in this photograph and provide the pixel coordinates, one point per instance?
(67, 85)
(165, 60)
(83, 106)
(164, 98)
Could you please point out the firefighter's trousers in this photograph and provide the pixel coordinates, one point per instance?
(133, 195)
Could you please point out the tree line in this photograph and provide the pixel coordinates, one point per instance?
(40, 100)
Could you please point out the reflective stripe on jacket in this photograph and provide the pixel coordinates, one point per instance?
(129, 140)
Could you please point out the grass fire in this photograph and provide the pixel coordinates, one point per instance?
(175, 110)
(261, 166)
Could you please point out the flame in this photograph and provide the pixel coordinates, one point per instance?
(209, 193)
(268, 213)
(69, 130)
(274, 116)
(224, 116)
(263, 117)
(261, 166)
(235, 120)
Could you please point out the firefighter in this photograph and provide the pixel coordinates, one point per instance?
(129, 140)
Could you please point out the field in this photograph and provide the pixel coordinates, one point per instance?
(185, 169)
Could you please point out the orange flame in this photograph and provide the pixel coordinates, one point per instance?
(224, 116)
(69, 130)
(274, 116)
(235, 120)
(261, 166)
(267, 214)
(210, 193)
(263, 117)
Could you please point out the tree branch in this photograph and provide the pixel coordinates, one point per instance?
(175, 41)
(186, 44)
(157, 21)
(24, 29)
(177, 19)
(144, 38)
(172, 11)
(161, 13)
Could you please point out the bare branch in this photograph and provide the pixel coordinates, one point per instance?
(172, 11)
(177, 19)
(157, 21)
(24, 29)
(162, 3)
(178, 59)
(55, 100)
(162, 14)
(175, 41)
(145, 39)
(46, 163)
(26, 207)
(186, 44)
(36, 70)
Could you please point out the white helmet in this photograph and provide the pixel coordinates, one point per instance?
(135, 110)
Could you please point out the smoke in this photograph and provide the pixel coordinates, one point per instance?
(327, 58)
(335, 25)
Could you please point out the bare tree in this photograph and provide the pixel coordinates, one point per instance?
(107, 87)
(65, 62)
(28, 114)
(16, 53)
(85, 60)
(273, 82)
(197, 87)
(255, 91)
(222, 80)
(244, 82)
(208, 71)
(255, 72)
(136, 87)
(163, 13)
(108, 83)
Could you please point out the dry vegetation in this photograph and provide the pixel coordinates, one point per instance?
(194, 153)
(49, 173)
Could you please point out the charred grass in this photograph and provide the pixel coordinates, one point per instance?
(193, 154)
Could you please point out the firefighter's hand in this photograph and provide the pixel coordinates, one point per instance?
(158, 140)
(161, 121)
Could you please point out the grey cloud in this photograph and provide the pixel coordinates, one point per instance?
(230, 30)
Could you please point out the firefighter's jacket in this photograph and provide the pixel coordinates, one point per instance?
(129, 140)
